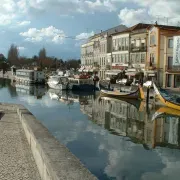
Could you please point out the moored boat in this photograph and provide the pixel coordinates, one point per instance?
(82, 84)
(138, 104)
(136, 94)
(166, 98)
(58, 82)
(165, 112)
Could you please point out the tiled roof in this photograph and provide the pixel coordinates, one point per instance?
(111, 31)
(165, 27)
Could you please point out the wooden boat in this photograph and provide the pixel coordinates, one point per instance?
(166, 98)
(166, 112)
(138, 104)
(137, 94)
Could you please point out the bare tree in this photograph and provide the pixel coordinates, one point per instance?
(13, 55)
(42, 56)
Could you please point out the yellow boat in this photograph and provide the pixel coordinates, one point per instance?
(137, 94)
(136, 103)
(166, 111)
(166, 98)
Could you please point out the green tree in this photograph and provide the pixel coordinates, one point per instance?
(42, 57)
(13, 55)
(4, 65)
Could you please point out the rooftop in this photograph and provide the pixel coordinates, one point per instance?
(166, 27)
(111, 31)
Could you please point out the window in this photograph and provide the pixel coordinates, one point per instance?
(123, 58)
(143, 58)
(169, 80)
(177, 81)
(170, 43)
(170, 62)
(137, 58)
(152, 58)
(133, 58)
(127, 58)
(137, 43)
(152, 40)
(127, 43)
(123, 42)
(114, 43)
(120, 58)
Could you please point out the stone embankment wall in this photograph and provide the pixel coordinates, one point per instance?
(54, 160)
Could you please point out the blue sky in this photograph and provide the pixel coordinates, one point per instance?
(33, 24)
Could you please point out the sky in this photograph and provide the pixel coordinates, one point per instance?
(61, 26)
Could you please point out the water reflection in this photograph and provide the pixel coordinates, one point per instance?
(115, 139)
(32, 90)
(128, 118)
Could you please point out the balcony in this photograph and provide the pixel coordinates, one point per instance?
(121, 48)
(139, 49)
(172, 69)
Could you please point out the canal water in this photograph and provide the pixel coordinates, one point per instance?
(114, 139)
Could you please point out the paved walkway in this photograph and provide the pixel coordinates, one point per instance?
(16, 159)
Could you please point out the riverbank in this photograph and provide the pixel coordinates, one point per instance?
(52, 159)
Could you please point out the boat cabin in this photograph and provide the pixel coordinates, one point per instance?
(30, 76)
(80, 81)
(59, 79)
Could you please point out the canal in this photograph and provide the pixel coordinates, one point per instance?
(114, 139)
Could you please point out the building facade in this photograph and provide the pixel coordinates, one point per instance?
(118, 58)
(158, 47)
(94, 52)
(171, 77)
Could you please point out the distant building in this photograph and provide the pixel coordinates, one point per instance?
(94, 52)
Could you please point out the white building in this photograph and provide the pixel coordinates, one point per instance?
(94, 52)
(118, 58)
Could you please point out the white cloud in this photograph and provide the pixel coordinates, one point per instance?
(151, 11)
(49, 34)
(67, 7)
(23, 23)
(84, 36)
(131, 17)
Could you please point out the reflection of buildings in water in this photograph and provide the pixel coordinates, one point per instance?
(86, 105)
(125, 119)
(37, 91)
(166, 131)
(68, 97)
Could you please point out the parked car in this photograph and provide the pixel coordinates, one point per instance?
(148, 84)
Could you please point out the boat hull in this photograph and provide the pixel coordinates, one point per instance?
(83, 87)
(138, 94)
(57, 86)
(165, 101)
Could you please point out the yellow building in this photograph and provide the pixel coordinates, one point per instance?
(156, 62)
(171, 77)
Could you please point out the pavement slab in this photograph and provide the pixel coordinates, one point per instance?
(16, 159)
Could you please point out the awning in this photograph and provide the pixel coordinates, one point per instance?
(130, 73)
(113, 72)
(152, 74)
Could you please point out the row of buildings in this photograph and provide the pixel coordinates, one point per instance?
(146, 48)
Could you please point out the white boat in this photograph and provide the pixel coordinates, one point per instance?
(58, 82)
